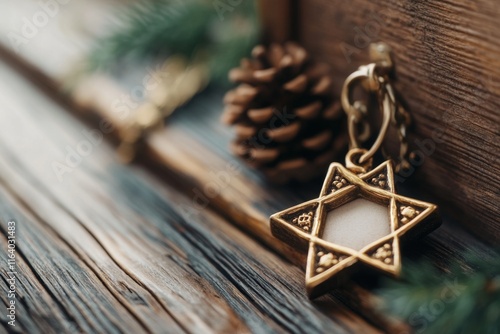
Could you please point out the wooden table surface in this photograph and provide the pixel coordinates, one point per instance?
(108, 249)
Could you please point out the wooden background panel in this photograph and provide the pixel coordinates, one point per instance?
(277, 19)
(447, 57)
(114, 251)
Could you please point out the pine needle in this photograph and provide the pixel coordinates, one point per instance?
(463, 301)
(157, 29)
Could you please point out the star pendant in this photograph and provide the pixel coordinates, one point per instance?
(357, 219)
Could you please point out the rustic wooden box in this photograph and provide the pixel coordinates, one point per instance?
(448, 68)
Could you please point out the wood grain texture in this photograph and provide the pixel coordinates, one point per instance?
(447, 56)
(110, 250)
(191, 152)
(277, 20)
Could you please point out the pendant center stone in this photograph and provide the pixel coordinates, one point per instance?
(357, 224)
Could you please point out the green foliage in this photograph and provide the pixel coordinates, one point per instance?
(461, 301)
(155, 29)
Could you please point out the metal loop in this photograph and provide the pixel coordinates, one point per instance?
(374, 78)
(367, 76)
(352, 161)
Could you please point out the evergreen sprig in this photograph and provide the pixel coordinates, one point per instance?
(158, 28)
(462, 301)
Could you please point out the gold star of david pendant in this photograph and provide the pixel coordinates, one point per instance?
(337, 229)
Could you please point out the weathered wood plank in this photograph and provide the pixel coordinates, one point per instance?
(73, 298)
(448, 69)
(193, 150)
(113, 251)
(47, 313)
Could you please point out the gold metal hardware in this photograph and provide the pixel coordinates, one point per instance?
(375, 78)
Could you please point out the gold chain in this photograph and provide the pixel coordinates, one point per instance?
(374, 78)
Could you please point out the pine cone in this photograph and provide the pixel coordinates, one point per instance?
(286, 119)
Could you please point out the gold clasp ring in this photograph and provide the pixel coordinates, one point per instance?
(372, 79)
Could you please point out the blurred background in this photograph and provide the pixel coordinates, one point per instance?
(92, 51)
